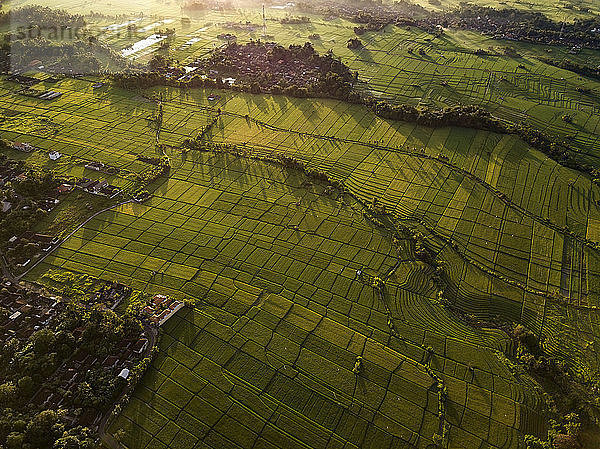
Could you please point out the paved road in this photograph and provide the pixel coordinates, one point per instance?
(55, 247)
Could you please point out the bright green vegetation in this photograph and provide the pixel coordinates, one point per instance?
(269, 356)
(223, 229)
(285, 317)
(513, 88)
(219, 231)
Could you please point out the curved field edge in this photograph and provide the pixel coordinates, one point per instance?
(284, 317)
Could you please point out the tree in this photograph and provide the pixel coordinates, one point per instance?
(158, 62)
(43, 429)
(8, 394)
(15, 440)
(67, 442)
(25, 385)
(42, 341)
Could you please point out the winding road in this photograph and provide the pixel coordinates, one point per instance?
(55, 247)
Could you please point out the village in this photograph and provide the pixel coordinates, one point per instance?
(86, 369)
(26, 196)
(268, 67)
(504, 23)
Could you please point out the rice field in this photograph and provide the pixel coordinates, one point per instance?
(514, 88)
(456, 198)
(265, 359)
(274, 264)
(283, 317)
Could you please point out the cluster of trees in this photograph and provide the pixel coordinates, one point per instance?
(580, 69)
(98, 390)
(272, 65)
(42, 17)
(23, 196)
(478, 118)
(103, 329)
(80, 56)
(274, 69)
(372, 26)
(44, 429)
(354, 43)
(56, 39)
(291, 20)
(27, 366)
(525, 25)
(140, 79)
(522, 24)
(194, 5)
(572, 403)
(160, 167)
(467, 116)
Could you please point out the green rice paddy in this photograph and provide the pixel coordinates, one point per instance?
(271, 256)
(267, 358)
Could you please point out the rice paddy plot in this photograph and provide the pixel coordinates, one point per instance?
(271, 351)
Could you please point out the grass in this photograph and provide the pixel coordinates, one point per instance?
(72, 210)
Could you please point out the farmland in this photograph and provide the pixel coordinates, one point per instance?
(283, 312)
(239, 233)
(354, 281)
(403, 65)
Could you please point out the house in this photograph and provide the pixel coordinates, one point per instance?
(54, 155)
(140, 346)
(124, 374)
(42, 238)
(159, 299)
(98, 187)
(6, 206)
(21, 146)
(64, 188)
(109, 191)
(110, 361)
(24, 264)
(94, 165)
(149, 310)
(88, 184)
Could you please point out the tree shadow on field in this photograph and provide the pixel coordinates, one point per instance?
(363, 54)
(98, 223)
(444, 40)
(361, 385)
(282, 101)
(236, 165)
(309, 110)
(197, 160)
(259, 101)
(351, 114)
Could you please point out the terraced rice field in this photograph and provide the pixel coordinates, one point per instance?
(272, 256)
(270, 351)
(274, 262)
